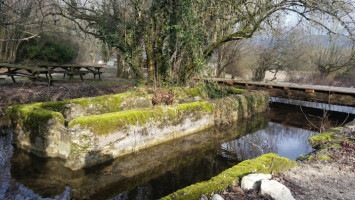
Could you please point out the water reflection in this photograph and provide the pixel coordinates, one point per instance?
(163, 169)
(152, 173)
(283, 140)
(9, 187)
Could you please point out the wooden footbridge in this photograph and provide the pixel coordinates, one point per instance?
(314, 93)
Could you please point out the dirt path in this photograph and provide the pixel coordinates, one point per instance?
(322, 180)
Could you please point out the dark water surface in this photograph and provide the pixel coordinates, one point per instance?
(163, 169)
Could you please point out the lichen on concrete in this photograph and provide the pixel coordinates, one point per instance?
(266, 163)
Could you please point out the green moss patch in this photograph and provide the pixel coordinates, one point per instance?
(111, 122)
(264, 164)
(337, 128)
(32, 118)
(318, 141)
(232, 90)
(324, 157)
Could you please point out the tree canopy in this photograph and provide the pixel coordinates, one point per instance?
(174, 39)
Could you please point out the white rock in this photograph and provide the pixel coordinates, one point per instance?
(276, 190)
(217, 197)
(252, 181)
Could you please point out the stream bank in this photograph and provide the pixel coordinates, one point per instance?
(327, 173)
(283, 130)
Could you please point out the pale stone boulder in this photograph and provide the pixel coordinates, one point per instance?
(276, 190)
(253, 181)
(217, 197)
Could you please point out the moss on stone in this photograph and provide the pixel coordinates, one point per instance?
(324, 157)
(337, 128)
(304, 157)
(192, 92)
(266, 163)
(58, 106)
(336, 146)
(33, 118)
(319, 140)
(105, 104)
(188, 94)
(111, 122)
(233, 90)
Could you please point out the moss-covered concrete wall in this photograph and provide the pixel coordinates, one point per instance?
(128, 171)
(125, 123)
(116, 134)
(266, 163)
(72, 109)
(234, 107)
(39, 130)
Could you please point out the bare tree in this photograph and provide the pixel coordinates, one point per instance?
(333, 53)
(226, 57)
(22, 20)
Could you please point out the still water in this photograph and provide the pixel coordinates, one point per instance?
(163, 169)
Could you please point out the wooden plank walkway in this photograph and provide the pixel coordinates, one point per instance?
(315, 93)
(285, 85)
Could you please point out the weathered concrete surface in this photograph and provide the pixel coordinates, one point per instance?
(39, 131)
(127, 171)
(93, 139)
(40, 128)
(75, 108)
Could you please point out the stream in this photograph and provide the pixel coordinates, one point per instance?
(163, 169)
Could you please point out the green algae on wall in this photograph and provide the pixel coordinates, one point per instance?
(266, 163)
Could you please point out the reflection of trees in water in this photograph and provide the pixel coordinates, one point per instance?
(8, 188)
(276, 138)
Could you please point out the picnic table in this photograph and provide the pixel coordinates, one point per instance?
(23, 71)
(74, 69)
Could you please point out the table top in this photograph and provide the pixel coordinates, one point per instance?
(36, 69)
(73, 66)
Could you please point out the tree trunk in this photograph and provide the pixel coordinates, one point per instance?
(259, 74)
(120, 64)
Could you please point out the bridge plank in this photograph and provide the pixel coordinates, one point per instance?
(331, 89)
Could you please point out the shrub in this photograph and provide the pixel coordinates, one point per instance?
(52, 49)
